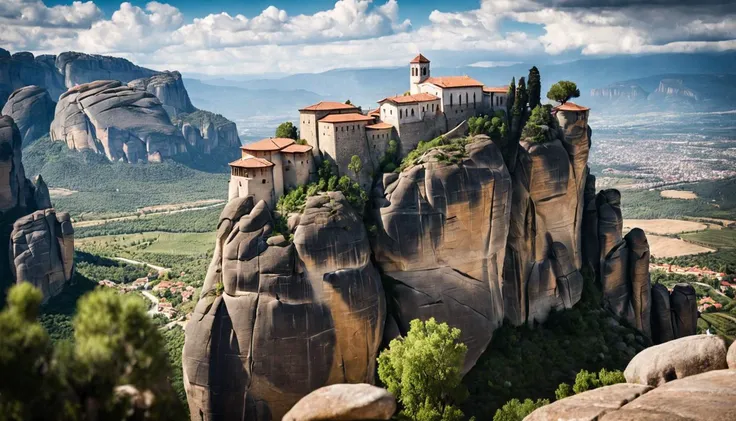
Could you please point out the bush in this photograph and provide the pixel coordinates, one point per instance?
(423, 371)
(454, 146)
(514, 410)
(390, 159)
(585, 381)
(541, 116)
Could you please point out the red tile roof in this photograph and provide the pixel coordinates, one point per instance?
(328, 106)
(270, 144)
(419, 59)
(376, 112)
(379, 126)
(297, 148)
(345, 118)
(454, 82)
(251, 163)
(409, 99)
(496, 89)
(571, 106)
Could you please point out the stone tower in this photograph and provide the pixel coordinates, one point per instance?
(419, 72)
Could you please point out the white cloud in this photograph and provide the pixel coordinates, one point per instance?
(37, 14)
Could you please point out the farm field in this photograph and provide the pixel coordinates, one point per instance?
(165, 243)
(724, 238)
(661, 246)
(664, 226)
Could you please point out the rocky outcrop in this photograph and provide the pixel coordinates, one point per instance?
(676, 359)
(620, 91)
(702, 397)
(38, 242)
(169, 89)
(344, 402)
(278, 320)
(731, 356)
(673, 90)
(123, 123)
(80, 68)
(205, 131)
(441, 239)
(42, 248)
(32, 110)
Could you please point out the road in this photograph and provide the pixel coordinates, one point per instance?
(135, 262)
(95, 222)
(154, 309)
(714, 289)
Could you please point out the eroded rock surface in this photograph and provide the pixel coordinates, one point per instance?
(120, 122)
(590, 405)
(38, 243)
(169, 89)
(677, 359)
(441, 237)
(32, 109)
(279, 320)
(344, 402)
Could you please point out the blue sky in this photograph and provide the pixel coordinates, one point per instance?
(259, 37)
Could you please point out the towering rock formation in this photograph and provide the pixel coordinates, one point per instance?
(38, 242)
(673, 89)
(80, 68)
(121, 122)
(169, 89)
(277, 320)
(620, 91)
(32, 110)
(441, 235)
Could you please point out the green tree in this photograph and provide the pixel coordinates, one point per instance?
(608, 378)
(423, 371)
(520, 102)
(287, 130)
(562, 91)
(510, 100)
(355, 165)
(585, 381)
(534, 87)
(563, 391)
(515, 410)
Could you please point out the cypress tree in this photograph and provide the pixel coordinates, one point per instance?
(534, 88)
(510, 98)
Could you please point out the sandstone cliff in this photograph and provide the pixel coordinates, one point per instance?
(38, 242)
(620, 91)
(32, 109)
(277, 320)
(205, 131)
(169, 89)
(123, 123)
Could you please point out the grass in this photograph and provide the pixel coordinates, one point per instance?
(202, 220)
(165, 243)
(715, 200)
(723, 323)
(719, 239)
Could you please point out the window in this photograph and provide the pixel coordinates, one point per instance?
(288, 161)
(432, 107)
(424, 71)
(412, 112)
(450, 99)
(466, 98)
(401, 114)
(459, 99)
(263, 181)
(473, 97)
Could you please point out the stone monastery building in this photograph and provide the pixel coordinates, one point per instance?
(337, 131)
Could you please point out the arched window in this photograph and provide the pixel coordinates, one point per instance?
(401, 114)
(412, 112)
(473, 97)
(450, 99)
(459, 99)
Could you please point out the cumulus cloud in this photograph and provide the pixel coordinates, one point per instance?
(368, 33)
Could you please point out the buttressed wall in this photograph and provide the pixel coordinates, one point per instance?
(463, 240)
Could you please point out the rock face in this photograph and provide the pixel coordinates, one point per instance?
(205, 131)
(120, 122)
(32, 110)
(278, 320)
(620, 91)
(677, 359)
(344, 402)
(703, 397)
(169, 89)
(442, 230)
(81, 68)
(731, 356)
(38, 242)
(673, 89)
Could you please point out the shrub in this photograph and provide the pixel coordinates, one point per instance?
(514, 410)
(423, 371)
(563, 391)
(287, 130)
(585, 381)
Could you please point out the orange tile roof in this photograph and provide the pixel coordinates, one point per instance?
(345, 118)
(571, 106)
(251, 163)
(408, 99)
(454, 82)
(376, 112)
(420, 59)
(379, 126)
(328, 106)
(297, 148)
(496, 89)
(270, 144)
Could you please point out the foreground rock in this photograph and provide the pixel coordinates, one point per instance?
(38, 243)
(591, 405)
(441, 236)
(32, 110)
(344, 402)
(677, 359)
(703, 397)
(277, 320)
(123, 123)
(731, 356)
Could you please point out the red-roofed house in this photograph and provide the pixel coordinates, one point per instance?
(309, 116)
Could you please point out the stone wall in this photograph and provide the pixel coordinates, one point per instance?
(378, 143)
(298, 168)
(350, 139)
(410, 134)
(259, 185)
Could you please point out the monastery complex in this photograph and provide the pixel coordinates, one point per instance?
(338, 131)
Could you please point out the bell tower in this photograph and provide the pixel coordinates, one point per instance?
(419, 72)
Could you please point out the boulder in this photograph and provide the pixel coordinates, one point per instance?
(677, 359)
(702, 397)
(121, 122)
(275, 322)
(441, 239)
(344, 402)
(731, 356)
(591, 405)
(32, 110)
(168, 87)
(684, 304)
(12, 174)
